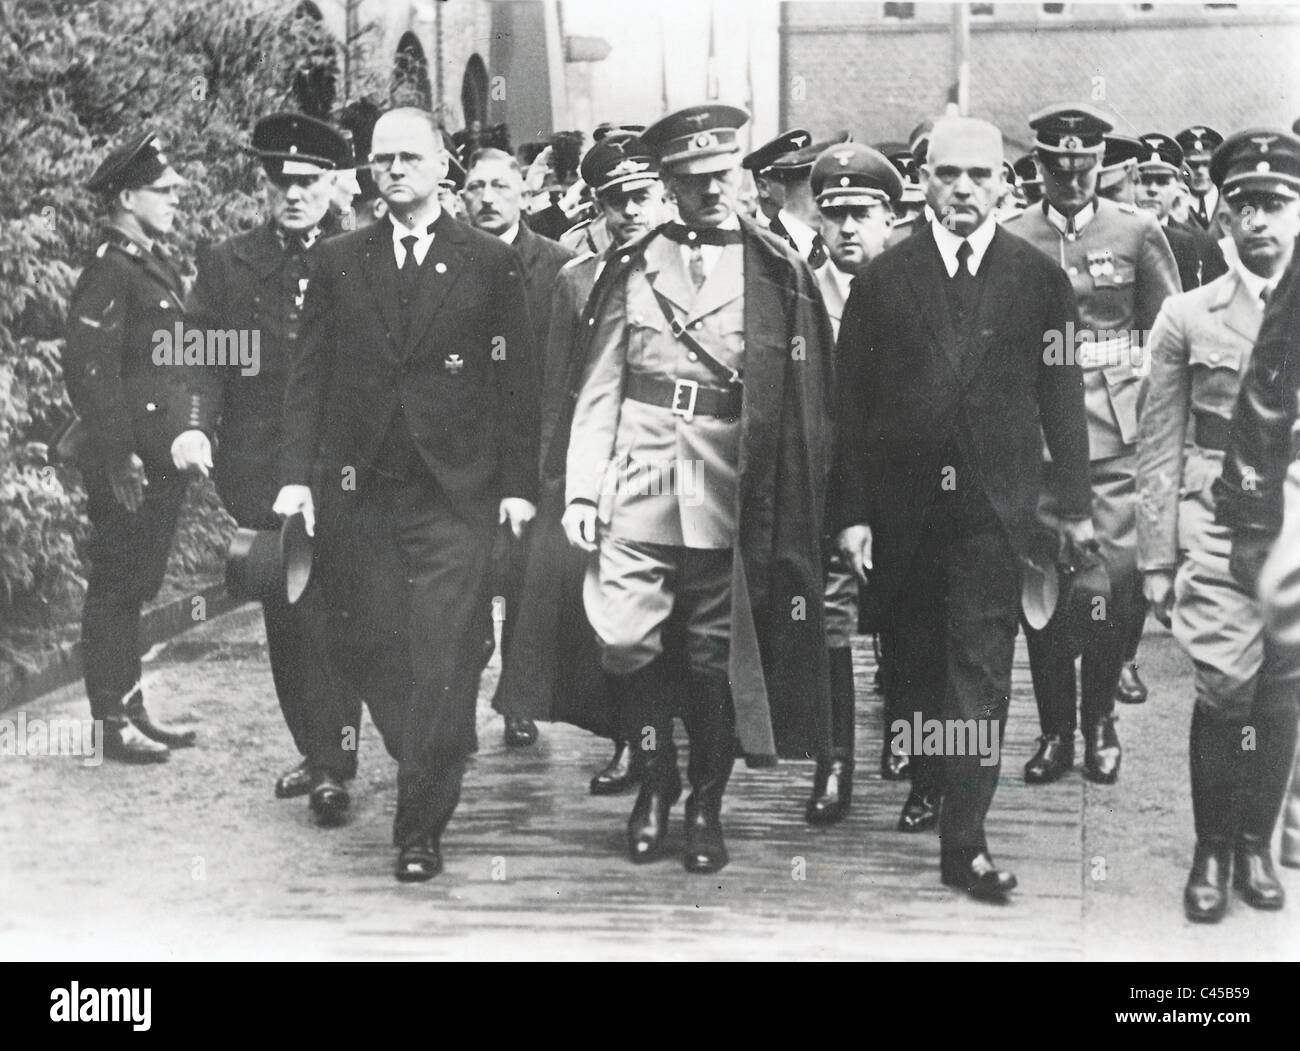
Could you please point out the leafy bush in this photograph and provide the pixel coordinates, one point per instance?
(76, 77)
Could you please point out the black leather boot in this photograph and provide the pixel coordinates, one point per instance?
(1268, 779)
(1205, 898)
(648, 697)
(619, 774)
(1131, 688)
(833, 784)
(1253, 875)
(711, 726)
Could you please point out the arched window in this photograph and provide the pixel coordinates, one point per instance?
(474, 91)
(411, 85)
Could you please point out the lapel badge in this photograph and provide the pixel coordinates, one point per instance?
(454, 364)
(440, 267)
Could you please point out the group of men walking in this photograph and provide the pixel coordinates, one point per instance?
(696, 452)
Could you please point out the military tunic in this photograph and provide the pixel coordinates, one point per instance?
(132, 398)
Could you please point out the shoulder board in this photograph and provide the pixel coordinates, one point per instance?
(578, 260)
(1128, 209)
(124, 246)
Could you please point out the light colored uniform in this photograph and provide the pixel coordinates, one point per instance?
(658, 478)
(1200, 349)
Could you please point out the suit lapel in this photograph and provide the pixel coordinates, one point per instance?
(928, 277)
(380, 268)
(667, 273)
(996, 287)
(443, 267)
(725, 282)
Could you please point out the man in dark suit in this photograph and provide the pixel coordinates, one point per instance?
(256, 282)
(944, 381)
(1199, 258)
(494, 195)
(412, 405)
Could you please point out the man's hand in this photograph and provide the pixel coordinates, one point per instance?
(579, 524)
(535, 177)
(855, 545)
(1250, 548)
(295, 499)
(1158, 587)
(192, 450)
(1080, 533)
(127, 481)
(518, 513)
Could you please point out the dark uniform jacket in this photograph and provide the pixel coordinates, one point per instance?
(456, 359)
(911, 384)
(1199, 258)
(1248, 495)
(542, 259)
(123, 313)
(254, 284)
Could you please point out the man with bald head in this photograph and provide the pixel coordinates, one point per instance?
(943, 385)
(411, 422)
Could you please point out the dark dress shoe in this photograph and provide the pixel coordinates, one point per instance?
(329, 801)
(1205, 898)
(520, 733)
(648, 825)
(705, 850)
(620, 773)
(920, 812)
(979, 877)
(1131, 689)
(894, 767)
(419, 862)
(125, 744)
(1254, 877)
(1054, 758)
(832, 792)
(295, 782)
(156, 731)
(1102, 753)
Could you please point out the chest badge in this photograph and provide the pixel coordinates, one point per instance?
(454, 364)
(1101, 263)
(302, 292)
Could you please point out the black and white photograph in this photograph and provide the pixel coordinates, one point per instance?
(692, 481)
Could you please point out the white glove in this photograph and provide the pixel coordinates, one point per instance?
(293, 499)
(191, 449)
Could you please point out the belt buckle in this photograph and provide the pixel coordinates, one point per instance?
(685, 387)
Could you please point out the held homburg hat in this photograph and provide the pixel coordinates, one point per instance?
(1064, 591)
(267, 564)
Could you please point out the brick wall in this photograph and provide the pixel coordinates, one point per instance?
(843, 66)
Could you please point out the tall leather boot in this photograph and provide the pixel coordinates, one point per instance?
(1268, 777)
(833, 784)
(647, 701)
(712, 730)
(1217, 775)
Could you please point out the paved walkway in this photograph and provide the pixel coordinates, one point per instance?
(196, 860)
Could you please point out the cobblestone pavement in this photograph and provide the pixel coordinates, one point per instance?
(197, 860)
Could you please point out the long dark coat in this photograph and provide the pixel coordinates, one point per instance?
(784, 456)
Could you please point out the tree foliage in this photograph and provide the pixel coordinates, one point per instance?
(76, 77)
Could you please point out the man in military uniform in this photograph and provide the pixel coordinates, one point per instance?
(910, 211)
(143, 433)
(256, 282)
(552, 670)
(494, 198)
(1028, 180)
(856, 189)
(1198, 144)
(1201, 348)
(1198, 255)
(696, 474)
(591, 235)
(1121, 269)
(781, 169)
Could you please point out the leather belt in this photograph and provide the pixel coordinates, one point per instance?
(1211, 431)
(686, 398)
(1102, 353)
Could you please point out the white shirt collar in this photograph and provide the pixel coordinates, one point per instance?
(511, 235)
(423, 237)
(800, 232)
(1071, 224)
(980, 238)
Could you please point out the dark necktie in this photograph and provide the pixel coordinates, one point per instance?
(697, 267)
(410, 269)
(963, 282)
(817, 255)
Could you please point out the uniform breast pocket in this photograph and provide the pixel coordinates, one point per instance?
(1123, 384)
(1210, 355)
(644, 330)
(1108, 274)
